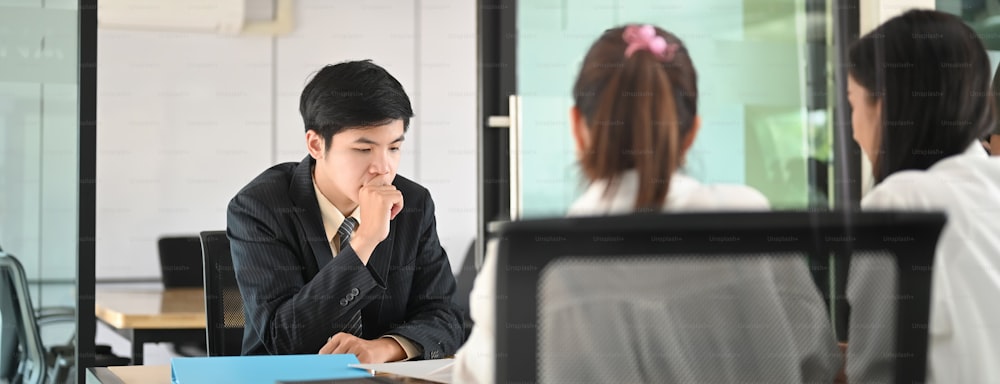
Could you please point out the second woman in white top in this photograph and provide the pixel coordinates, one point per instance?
(919, 89)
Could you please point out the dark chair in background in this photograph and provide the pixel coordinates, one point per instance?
(464, 281)
(223, 303)
(534, 250)
(181, 262)
(181, 267)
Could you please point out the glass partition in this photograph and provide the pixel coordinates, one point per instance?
(39, 149)
(983, 16)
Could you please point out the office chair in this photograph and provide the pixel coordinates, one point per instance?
(549, 271)
(23, 357)
(463, 287)
(223, 303)
(181, 267)
(181, 261)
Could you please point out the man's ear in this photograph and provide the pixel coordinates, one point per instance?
(581, 134)
(315, 144)
(688, 140)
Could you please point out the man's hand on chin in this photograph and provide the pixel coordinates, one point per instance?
(376, 351)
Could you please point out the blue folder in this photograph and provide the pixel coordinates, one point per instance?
(262, 369)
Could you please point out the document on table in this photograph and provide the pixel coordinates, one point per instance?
(263, 368)
(438, 370)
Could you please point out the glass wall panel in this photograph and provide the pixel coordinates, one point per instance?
(39, 148)
(983, 16)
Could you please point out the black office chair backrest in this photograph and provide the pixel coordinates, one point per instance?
(464, 282)
(527, 250)
(223, 303)
(23, 358)
(181, 262)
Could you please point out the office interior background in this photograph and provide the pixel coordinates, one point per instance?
(186, 117)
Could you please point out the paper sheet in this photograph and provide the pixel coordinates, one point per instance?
(438, 370)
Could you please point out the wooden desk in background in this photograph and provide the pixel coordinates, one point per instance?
(152, 315)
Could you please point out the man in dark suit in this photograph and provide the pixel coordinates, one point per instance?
(336, 253)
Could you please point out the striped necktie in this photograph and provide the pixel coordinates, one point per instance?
(345, 231)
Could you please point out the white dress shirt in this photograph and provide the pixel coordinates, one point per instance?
(475, 360)
(965, 311)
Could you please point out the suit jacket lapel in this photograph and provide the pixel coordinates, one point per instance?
(307, 210)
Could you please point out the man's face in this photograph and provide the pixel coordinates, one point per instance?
(357, 156)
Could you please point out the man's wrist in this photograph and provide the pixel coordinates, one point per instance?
(394, 351)
(362, 247)
(410, 349)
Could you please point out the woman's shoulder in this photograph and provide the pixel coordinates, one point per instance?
(739, 196)
(910, 189)
(936, 186)
(721, 197)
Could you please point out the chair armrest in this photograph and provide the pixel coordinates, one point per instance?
(39, 312)
(54, 319)
(52, 315)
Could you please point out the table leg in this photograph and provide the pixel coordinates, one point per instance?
(138, 341)
(139, 338)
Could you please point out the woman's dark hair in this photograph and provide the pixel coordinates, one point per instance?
(352, 94)
(638, 109)
(932, 76)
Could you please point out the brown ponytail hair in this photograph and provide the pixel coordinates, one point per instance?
(638, 110)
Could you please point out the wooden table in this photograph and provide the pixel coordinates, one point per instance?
(160, 374)
(146, 374)
(152, 315)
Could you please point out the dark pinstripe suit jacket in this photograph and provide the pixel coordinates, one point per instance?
(296, 294)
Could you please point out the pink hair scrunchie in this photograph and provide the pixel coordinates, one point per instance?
(641, 37)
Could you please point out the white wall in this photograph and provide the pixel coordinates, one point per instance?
(185, 120)
(875, 12)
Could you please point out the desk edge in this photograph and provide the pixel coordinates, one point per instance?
(105, 376)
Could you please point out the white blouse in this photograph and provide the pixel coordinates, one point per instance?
(965, 312)
(475, 360)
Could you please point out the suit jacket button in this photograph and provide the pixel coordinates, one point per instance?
(343, 302)
(349, 297)
(355, 292)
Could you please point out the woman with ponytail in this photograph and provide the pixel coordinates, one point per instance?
(635, 116)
